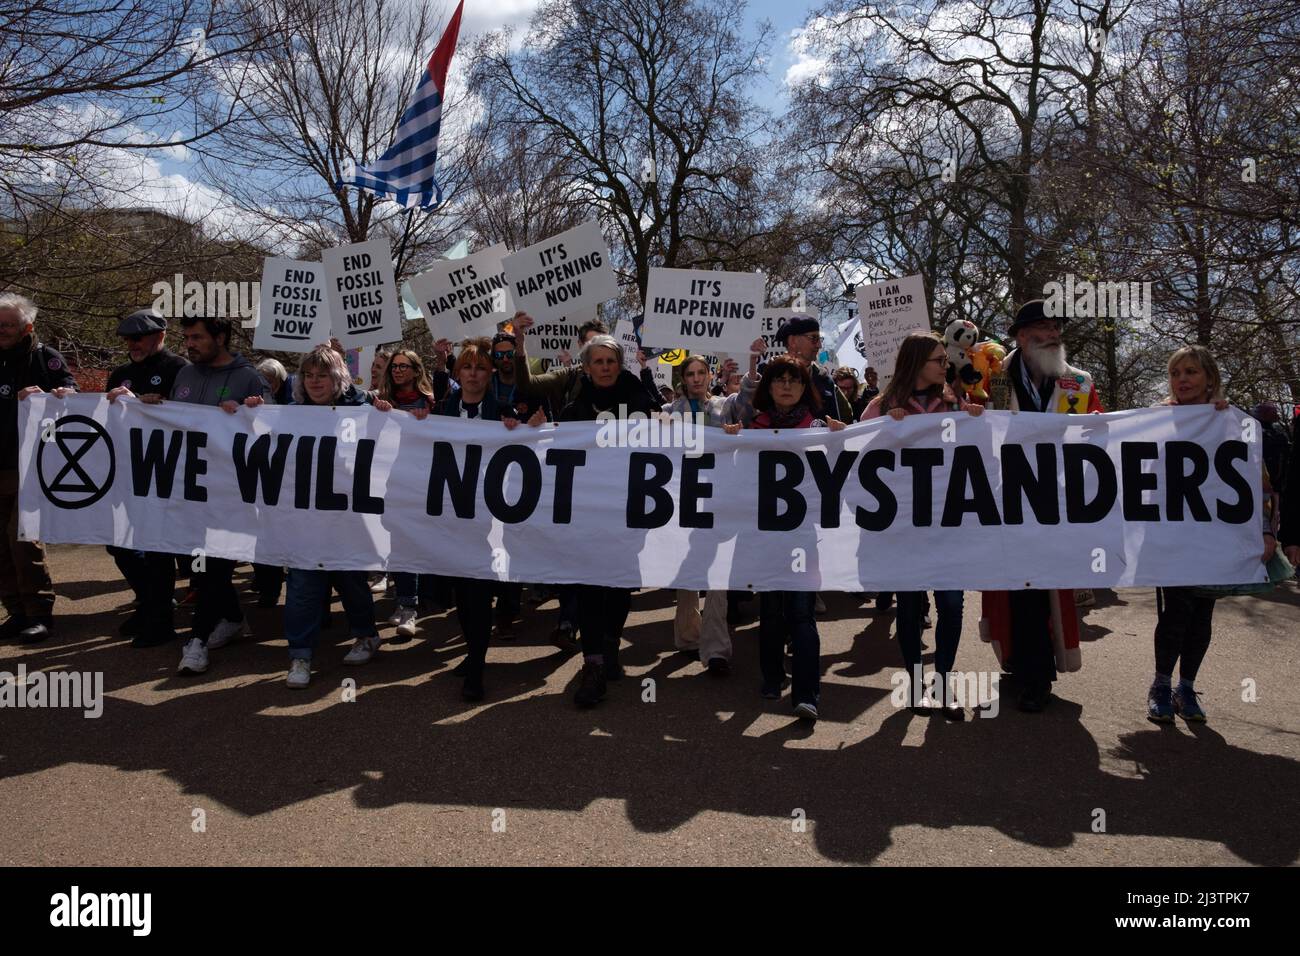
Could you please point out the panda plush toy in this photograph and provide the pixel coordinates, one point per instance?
(958, 338)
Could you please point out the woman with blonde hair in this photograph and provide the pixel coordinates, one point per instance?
(323, 379)
(1184, 616)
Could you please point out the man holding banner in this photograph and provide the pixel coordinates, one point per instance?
(1037, 632)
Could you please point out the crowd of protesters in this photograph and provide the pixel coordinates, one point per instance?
(490, 379)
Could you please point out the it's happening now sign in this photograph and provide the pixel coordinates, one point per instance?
(1039, 500)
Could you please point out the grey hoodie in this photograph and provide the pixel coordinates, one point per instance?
(205, 385)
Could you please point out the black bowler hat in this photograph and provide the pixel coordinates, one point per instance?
(1032, 311)
(797, 325)
(144, 322)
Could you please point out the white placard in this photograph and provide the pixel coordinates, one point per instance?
(547, 339)
(291, 313)
(889, 312)
(463, 298)
(701, 310)
(362, 294)
(565, 275)
(625, 332)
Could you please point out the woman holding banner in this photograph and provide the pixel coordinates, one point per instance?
(473, 371)
(786, 398)
(1183, 615)
(604, 386)
(406, 385)
(919, 387)
(708, 638)
(323, 380)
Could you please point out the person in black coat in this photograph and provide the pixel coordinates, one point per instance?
(151, 370)
(476, 399)
(605, 388)
(26, 367)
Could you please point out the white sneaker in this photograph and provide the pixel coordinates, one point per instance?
(406, 621)
(396, 616)
(819, 606)
(380, 585)
(362, 650)
(224, 633)
(299, 673)
(194, 658)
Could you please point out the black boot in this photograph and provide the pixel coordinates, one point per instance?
(11, 628)
(591, 685)
(37, 630)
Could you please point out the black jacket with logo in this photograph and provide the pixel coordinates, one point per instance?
(27, 363)
(154, 376)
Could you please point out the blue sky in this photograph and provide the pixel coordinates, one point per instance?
(784, 17)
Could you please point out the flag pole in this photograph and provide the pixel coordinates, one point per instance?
(401, 249)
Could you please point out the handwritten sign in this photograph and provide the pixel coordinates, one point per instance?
(889, 312)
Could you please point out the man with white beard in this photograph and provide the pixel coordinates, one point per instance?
(1041, 627)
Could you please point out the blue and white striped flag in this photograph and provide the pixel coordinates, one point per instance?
(405, 174)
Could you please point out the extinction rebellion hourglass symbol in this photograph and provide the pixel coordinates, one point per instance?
(80, 478)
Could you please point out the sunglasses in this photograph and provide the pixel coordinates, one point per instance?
(503, 355)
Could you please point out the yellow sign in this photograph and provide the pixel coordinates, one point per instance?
(673, 357)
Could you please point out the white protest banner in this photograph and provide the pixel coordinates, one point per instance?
(362, 294)
(291, 314)
(565, 275)
(889, 312)
(702, 310)
(464, 298)
(1034, 500)
(625, 333)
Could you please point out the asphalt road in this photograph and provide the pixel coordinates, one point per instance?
(234, 768)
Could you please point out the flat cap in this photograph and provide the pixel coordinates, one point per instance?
(143, 322)
(797, 325)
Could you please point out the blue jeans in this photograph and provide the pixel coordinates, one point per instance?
(408, 588)
(783, 613)
(947, 633)
(304, 602)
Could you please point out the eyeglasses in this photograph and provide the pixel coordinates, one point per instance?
(406, 365)
(503, 355)
(942, 360)
(140, 337)
(788, 380)
(812, 336)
